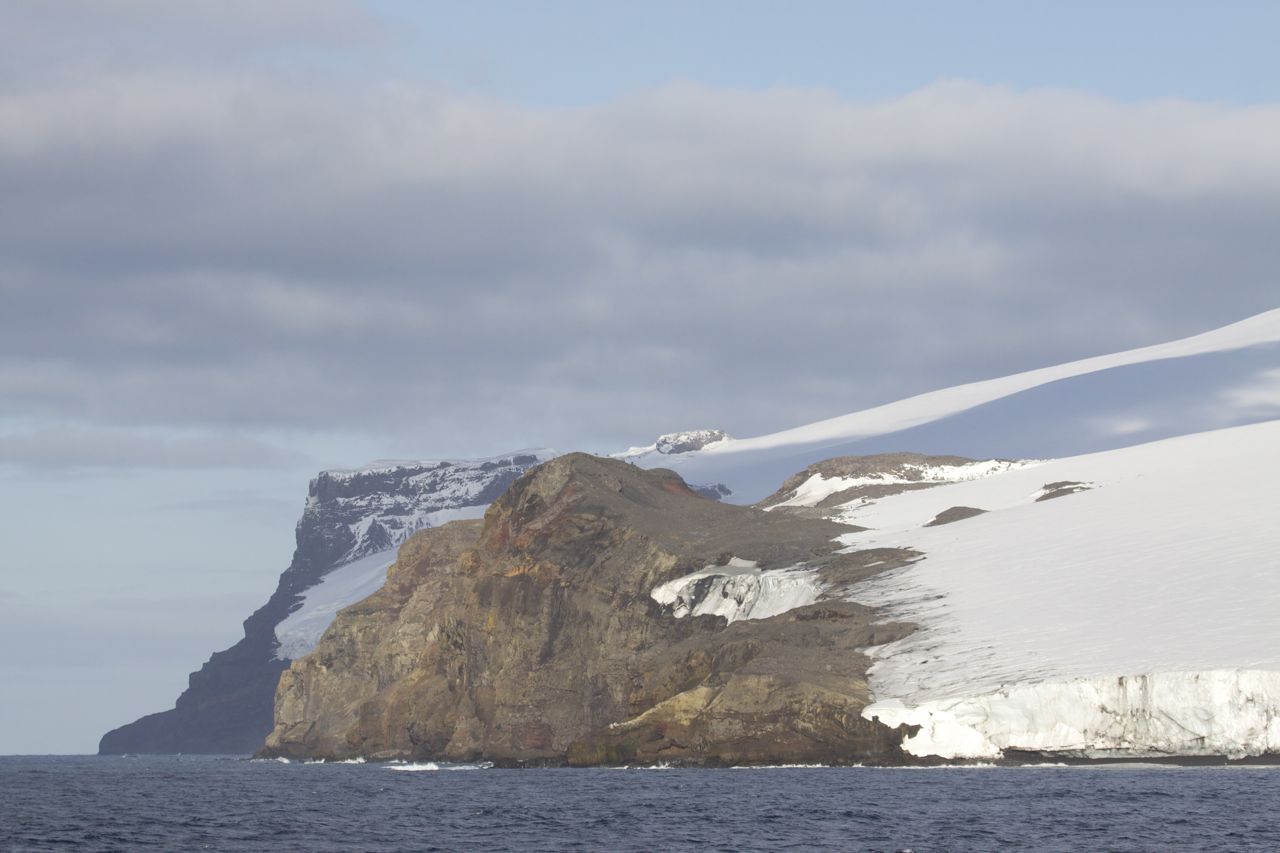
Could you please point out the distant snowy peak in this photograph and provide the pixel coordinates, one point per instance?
(684, 442)
(675, 443)
(667, 450)
(377, 506)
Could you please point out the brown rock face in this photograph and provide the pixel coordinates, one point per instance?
(531, 637)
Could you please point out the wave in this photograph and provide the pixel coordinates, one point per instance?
(431, 765)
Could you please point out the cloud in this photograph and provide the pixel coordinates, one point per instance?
(203, 251)
(1260, 396)
(60, 40)
(98, 448)
(1121, 425)
(236, 501)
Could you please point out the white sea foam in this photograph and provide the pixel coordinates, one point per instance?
(432, 766)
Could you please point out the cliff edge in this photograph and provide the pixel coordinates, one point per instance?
(537, 636)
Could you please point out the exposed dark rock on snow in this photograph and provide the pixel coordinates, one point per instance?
(1062, 488)
(955, 513)
(906, 471)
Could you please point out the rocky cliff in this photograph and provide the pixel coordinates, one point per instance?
(535, 636)
(349, 515)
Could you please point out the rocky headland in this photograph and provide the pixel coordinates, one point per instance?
(535, 637)
(227, 706)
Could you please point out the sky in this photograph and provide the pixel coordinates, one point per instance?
(242, 242)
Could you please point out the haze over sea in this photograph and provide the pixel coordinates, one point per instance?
(225, 803)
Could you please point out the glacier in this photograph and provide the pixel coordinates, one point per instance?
(1136, 617)
(1232, 713)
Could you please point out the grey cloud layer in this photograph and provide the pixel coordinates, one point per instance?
(96, 448)
(198, 250)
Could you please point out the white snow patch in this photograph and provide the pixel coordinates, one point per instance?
(741, 590)
(1169, 566)
(299, 632)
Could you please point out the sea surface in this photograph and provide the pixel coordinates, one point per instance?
(207, 803)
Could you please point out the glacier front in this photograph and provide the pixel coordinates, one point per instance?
(1134, 616)
(1232, 713)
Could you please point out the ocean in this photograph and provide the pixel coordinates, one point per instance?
(181, 803)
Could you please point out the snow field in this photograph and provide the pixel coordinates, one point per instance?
(1167, 570)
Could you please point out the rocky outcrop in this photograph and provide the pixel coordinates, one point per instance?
(953, 514)
(875, 476)
(827, 489)
(534, 637)
(227, 706)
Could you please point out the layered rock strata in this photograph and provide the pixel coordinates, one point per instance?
(534, 637)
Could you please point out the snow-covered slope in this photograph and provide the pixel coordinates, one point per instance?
(1220, 378)
(1135, 616)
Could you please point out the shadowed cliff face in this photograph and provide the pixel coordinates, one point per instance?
(227, 707)
(532, 637)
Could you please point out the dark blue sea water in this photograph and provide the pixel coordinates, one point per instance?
(186, 803)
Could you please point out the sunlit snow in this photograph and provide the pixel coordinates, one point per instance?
(1168, 569)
